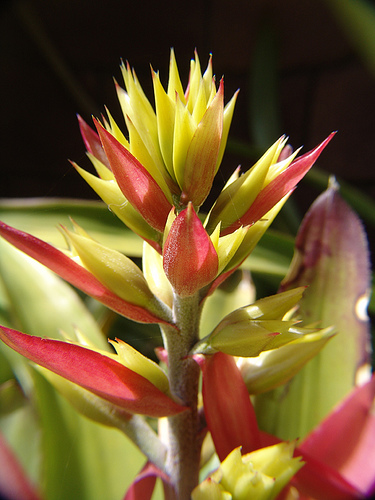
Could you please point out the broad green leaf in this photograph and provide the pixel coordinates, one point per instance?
(42, 304)
(272, 255)
(21, 429)
(41, 217)
(81, 459)
(64, 452)
(358, 20)
(74, 458)
(264, 108)
(332, 259)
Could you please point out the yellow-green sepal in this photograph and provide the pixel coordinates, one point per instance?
(134, 360)
(112, 196)
(255, 328)
(112, 268)
(276, 367)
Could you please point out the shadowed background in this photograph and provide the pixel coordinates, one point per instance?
(299, 69)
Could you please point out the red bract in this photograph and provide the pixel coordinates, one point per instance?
(339, 454)
(319, 481)
(279, 187)
(95, 372)
(345, 440)
(228, 410)
(14, 484)
(190, 260)
(92, 141)
(75, 274)
(201, 159)
(144, 484)
(135, 182)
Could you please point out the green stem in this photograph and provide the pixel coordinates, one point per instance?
(143, 436)
(184, 444)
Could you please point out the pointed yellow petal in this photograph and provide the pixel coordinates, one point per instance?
(140, 364)
(183, 133)
(165, 113)
(174, 82)
(155, 275)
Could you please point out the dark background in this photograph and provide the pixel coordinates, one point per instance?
(58, 58)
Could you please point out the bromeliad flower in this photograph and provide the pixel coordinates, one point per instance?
(173, 152)
(155, 178)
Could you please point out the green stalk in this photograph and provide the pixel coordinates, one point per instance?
(143, 436)
(184, 445)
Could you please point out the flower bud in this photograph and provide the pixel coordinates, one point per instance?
(112, 268)
(190, 260)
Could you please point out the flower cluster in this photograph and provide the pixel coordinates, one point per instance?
(155, 181)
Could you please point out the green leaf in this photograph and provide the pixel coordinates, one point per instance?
(41, 217)
(264, 109)
(21, 428)
(71, 456)
(82, 459)
(358, 20)
(332, 258)
(272, 255)
(41, 303)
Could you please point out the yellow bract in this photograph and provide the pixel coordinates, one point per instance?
(259, 475)
(135, 361)
(116, 271)
(108, 189)
(164, 140)
(276, 367)
(241, 191)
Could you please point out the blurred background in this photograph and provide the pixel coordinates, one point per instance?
(304, 67)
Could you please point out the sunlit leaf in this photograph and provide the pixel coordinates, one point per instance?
(42, 216)
(332, 259)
